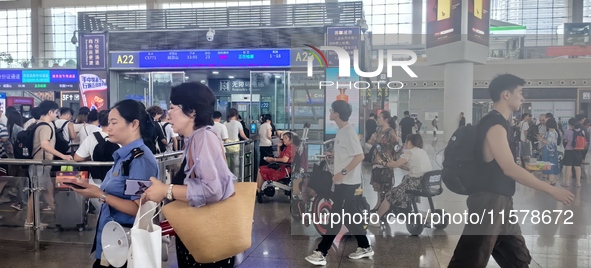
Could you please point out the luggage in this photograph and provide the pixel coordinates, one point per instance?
(71, 210)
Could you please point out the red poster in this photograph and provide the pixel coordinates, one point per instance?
(94, 90)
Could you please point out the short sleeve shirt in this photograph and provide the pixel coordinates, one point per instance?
(347, 146)
(43, 132)
(141, 168)
(264, 140)
(87, 130)
(234, 128)
(61, 123)
(221, 129)
(87, 146)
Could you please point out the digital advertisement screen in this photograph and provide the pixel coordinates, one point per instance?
(232, 58)
(94, 90)
(444, 22)
(39, 79)
(478, 21)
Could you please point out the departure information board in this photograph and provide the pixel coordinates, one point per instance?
(39, 79)
(233, 58)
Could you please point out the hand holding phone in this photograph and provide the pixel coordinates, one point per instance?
(71, 184)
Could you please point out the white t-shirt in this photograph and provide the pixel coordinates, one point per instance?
(234, 128)
(523, 130)
(347, 146)
(418, 162)
(29, 123)
(221, 130)
(85, 131)
(87, 147)
(264, 139)
(59, 123)
(169, 132)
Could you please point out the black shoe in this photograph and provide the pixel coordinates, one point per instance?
(260, 197)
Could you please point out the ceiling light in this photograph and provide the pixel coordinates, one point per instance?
(278, 76)
(215, 72)
(231, 77)
(202, 81)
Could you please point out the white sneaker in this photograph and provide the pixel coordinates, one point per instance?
(316, 258)
(361, 253)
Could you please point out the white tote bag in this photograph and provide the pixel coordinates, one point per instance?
(146, 239)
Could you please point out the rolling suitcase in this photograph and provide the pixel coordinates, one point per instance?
(71, 210)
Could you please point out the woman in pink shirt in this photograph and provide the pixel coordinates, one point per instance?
(204, 177)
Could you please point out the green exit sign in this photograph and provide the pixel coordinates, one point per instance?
(40, 85)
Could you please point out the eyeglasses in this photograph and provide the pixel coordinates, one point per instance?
(331, 110)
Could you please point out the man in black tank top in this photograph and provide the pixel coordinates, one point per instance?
(497, 186)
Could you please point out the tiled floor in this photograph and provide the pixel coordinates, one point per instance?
(561, 245)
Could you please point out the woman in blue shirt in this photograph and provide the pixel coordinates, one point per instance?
(128, 123)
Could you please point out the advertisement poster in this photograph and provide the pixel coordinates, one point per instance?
(478, 21)
(93, 90)
(444, 22)
(343, 89)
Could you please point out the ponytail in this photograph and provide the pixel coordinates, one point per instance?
(132, 110)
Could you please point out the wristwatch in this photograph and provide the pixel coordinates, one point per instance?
(103, 198)
(169, 193)
(344, 172)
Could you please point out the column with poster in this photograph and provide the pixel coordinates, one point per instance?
(341, 88)
(93, 71)
(457, 37)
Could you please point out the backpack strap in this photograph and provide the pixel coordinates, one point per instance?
(135, 153)
(62, 127)
(99, 137)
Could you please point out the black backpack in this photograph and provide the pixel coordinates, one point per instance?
(23, 146)
(461, 163)
(61, 144)
(103, 152)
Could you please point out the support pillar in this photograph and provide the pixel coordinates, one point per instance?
(575, 11)
(37, 32)
(457, 95)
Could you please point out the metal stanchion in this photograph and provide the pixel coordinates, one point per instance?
(241, 155)
(35, 191)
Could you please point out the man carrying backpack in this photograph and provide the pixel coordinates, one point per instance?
(44, 140)
(491, 178)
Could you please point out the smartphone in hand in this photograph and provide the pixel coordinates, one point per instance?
(136, 187)
(71, 184)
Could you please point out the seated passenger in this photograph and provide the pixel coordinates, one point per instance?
(270, 174)
(417, 161)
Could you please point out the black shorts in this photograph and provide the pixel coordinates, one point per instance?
(572, 158)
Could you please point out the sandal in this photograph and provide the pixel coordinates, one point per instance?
(552, 183)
